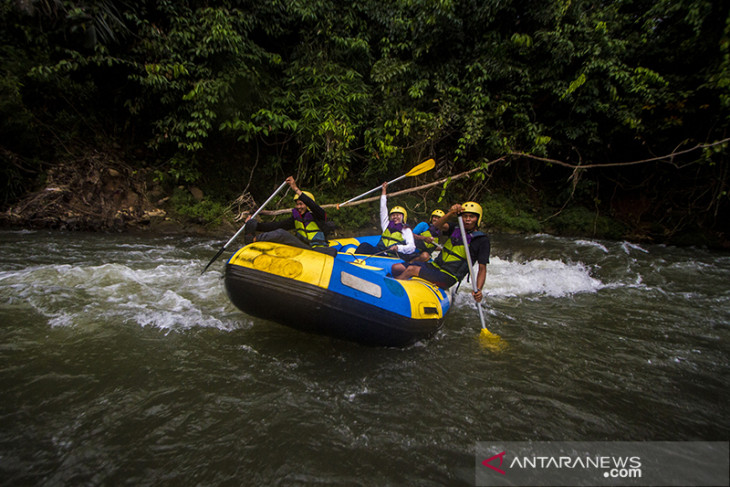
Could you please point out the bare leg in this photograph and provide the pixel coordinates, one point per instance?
(397, 269)
(409, 272)
(422, 258)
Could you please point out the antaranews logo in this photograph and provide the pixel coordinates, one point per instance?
(593, 463)
(605, 466)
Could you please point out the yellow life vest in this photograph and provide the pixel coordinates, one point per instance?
(430, 232)
(393, 235)
(452, 259)
(308, 230)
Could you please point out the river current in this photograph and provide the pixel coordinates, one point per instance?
(121, 364)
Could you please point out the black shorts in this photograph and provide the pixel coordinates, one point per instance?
(432, 274)
(409, 257)
(421, 245)
(367, 249)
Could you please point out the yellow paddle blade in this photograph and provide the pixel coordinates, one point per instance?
(492, 342)
(422, 168)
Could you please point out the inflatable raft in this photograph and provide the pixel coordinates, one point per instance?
(349, 296)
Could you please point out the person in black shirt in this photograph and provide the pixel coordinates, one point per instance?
(450, 267)
(308, 220)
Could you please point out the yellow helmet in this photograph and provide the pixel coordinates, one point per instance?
(437, 213)
(472, 207)
(399, 209)
(311, 196)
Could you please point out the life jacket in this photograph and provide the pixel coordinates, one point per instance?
(393, 235)
(452, 259)
(307, 229)
(434, 232)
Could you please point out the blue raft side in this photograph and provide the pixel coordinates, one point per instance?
(371, 239)
(392, 296)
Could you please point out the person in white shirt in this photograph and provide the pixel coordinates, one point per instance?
(397, 238)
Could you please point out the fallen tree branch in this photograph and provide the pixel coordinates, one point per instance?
(397, 193)
(667, 158)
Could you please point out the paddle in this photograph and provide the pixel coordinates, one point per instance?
(244, 226)
(362, 261)
(485, 333)
(419, 169)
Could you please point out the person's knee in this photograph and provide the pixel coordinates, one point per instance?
(407, 272)
(423, 257)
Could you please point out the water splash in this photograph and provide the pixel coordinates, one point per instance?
(169, 296)
(538, 277)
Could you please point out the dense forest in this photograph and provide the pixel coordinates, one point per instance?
(603, 118)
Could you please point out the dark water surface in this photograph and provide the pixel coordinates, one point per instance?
(121, 364)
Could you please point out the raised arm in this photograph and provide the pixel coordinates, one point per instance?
(384, 208)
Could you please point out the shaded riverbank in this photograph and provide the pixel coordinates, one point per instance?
(102, 193)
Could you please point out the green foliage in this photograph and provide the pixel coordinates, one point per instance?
(501, 213)
(582, 221)
(354, 217)
(200, 56)
(181, 169)
(204, 212)
(350, 93)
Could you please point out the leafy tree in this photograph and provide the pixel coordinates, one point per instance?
(355, 92)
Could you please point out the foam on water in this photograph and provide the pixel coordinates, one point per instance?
(538, 277)
(591, 243)
(158, 283)
(628, 247)
(172, 295)
(169, 296)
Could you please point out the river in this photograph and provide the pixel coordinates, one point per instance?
(121, 364)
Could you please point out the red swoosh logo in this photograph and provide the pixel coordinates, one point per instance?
(501, 459)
